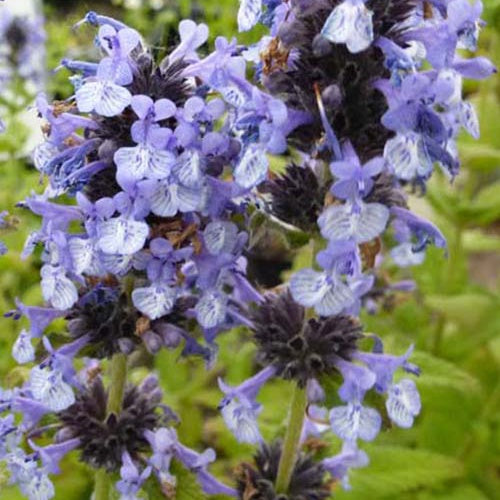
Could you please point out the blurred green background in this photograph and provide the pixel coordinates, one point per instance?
(453, 452)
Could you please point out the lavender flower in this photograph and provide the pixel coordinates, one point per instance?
(374, 123)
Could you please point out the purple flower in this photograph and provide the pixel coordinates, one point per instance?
(351, 23)
(249, 14)
(131, 479)
(355, 421)
(354, 180)
(23, 350)
(350, 457)
(48, 387)
(403, 403)
(192, 37)
(239, 408)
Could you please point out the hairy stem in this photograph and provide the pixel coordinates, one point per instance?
(118, 378)
(118, 375)
(291, 444)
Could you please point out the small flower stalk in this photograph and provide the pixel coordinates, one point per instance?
(155, 170)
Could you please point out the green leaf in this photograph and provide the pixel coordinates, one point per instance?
(468, 309)
(187, 486)
(438, 372)
(460, 492)
(394, 470)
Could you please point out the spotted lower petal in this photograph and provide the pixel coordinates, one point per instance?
(355, 421)
(220, 237)
(403, 403)
(58, 289)
(407, 158)
(362, 224)
(121, 235)
(154, 301)
(252, 168)
(211, 309)
(249, 14)
(309, 287)
(143, 161)
(48, 387)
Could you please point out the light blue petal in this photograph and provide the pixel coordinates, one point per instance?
(144, 161)
(241, 420)
(121, 235)
(116, 264)
(308, 287)
(469, 119)
(154, 301)
(211, 309)
(189, 169)
(103, 97)
(355, 421)
(249, 14)
(350, 23)
(81, 252)
(336, 299)
(404, 256)
(220, 237)
(233, 95)
(164, 201)
(23, 350)
(48, 387)
(252, 168)
(341, 222)
(57, 289)
(403, 403)
(189, 199)
(406, 156)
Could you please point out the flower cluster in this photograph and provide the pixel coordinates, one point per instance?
(381, 83)
(148, 252)
(153, 171)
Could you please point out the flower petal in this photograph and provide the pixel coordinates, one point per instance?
(154, 301)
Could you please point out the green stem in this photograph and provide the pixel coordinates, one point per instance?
(118, 378)
(291, 444)
(118, 375)
(101, 485)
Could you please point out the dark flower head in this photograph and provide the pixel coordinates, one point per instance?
(302, 348)
(256, 482)
(297, 196)
(353, 106)
(104, 438)
(386, 191)
(105, 315)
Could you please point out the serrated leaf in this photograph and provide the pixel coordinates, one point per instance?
(395, 470)
(187, 486)
(439, 372)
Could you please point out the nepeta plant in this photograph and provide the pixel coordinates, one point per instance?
(381, 84)
(154, 171)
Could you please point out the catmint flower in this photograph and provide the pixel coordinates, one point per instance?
(350, 23)
(131, 479)
(239, 408)
(403, 403)
(350, 457)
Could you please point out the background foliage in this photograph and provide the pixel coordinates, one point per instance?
(453, 318)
